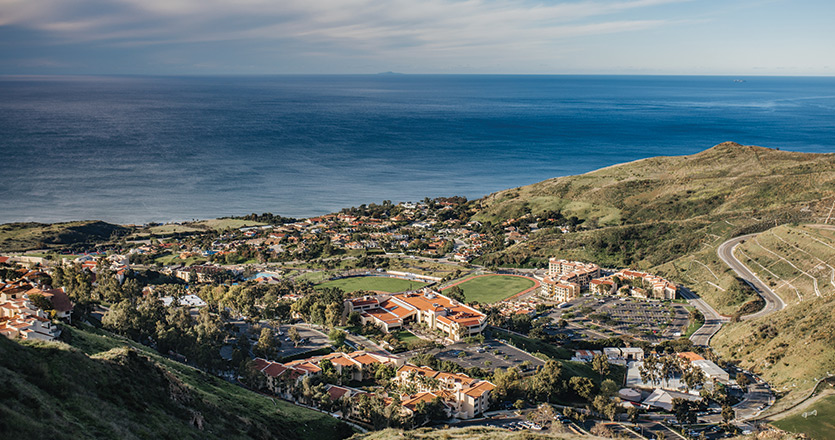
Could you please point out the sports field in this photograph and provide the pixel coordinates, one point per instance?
(819, 427)
(491, 288)
(383, 284)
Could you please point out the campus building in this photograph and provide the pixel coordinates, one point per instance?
(466, 397)
(389, 312)
(566, 279)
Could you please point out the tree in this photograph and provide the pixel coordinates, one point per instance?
(547, 382)
(333, 314)
(605, 406)
(428, 411)
(354, 319)
(543, 414)
(121, 318)
(608, 388)
(601, 430)
(742, 380)
(633, 413)
(583, 386)
(728, 413)
(294, 336)
(337, 337)
(600, 363)
(693, 377)
(266, 346)
(684, 410)
(456, 293)
(508, 384)
(40, 301)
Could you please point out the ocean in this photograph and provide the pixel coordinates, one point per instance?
(156, 149)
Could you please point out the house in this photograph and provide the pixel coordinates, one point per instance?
(60, 301)
(30, 327)
(652, 286)
(280, 378)
(357, 362)
(20, 318)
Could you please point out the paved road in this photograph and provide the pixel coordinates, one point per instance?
(773, 302)
(713, 320)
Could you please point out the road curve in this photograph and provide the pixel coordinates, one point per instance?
(773, 302)
(713, 320)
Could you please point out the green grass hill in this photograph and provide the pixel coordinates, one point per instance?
(100, 386)
(17, 237)
(727, 178)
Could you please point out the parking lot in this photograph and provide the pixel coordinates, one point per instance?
(488, 356)
(312, 340)
(645, 319)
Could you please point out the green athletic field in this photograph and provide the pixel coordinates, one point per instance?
(489, 289)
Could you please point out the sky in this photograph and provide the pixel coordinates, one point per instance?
(171, 37)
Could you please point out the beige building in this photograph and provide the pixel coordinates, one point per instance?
(558, 290)
(454, 319)
(466, 397)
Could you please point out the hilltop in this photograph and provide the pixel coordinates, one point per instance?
(100, 386)
(727, 178)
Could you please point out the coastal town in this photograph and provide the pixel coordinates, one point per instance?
(380, 316)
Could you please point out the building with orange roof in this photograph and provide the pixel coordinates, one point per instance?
(465, 395)
(455, 320)
(690, 356)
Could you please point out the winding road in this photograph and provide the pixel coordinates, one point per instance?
(713, 320)
(773, 302)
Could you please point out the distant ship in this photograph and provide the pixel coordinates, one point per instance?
(739, 80)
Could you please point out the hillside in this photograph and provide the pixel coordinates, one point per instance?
(668, 214)
(104, 387)
(17, 237)
(727, 178)
(792, 347)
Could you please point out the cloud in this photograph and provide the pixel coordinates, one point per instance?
(366, 23)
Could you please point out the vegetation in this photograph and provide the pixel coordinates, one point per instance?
(492, 288)
(104, 387)
(372, 283)
(819, 426)
(16, 237)
(471, 433)
(789, 348)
